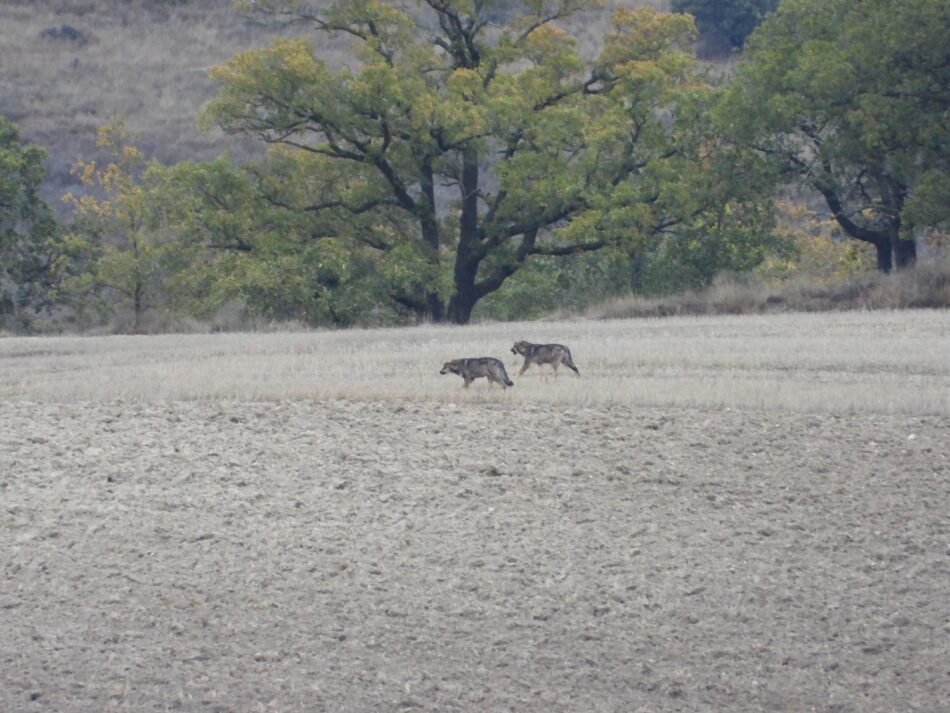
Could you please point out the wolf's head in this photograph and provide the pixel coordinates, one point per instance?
(450, 367)
(519, 347)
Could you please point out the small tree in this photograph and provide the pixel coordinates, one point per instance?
(117, 254)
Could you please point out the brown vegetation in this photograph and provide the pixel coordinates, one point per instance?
(926, 286)
(70, 64)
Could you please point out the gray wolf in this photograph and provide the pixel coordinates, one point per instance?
(553, 354)
(471, 369)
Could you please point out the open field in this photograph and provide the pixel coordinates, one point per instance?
(723, 514)
(864, 362)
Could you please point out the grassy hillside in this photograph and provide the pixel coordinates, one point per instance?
(67, 65)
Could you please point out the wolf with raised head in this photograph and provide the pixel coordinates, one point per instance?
(553, 354)
(475, 368)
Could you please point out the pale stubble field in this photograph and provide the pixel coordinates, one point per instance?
(733, 513)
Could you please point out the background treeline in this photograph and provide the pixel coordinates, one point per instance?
(369, 164)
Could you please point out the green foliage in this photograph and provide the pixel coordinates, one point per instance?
(549, 155)
(462, 170)
(29, 249)
(569, 284)
(813, 248)
(852, 99)
(725, 24)
(117, 257)
(928, 206)
(246, 236)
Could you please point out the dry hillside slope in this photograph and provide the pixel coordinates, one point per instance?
(68, 65)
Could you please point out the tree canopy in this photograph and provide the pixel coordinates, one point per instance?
(460, 148)
(853, 100)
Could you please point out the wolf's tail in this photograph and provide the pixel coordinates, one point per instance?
(569, 363)
(508, 382)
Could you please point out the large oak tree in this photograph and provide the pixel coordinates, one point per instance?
(466, 147)
(853, 100)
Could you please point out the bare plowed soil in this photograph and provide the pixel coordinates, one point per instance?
(338, 555)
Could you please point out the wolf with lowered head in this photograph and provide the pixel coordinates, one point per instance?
(475, 368)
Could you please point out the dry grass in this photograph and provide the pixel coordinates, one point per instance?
(851, 362)
(145, 61)
(927, 286)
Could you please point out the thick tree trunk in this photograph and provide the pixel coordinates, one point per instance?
(461, 306)
(895, 253)
(469, 256)
(885, 258)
